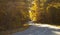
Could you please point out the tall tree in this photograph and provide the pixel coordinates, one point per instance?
(13, 14)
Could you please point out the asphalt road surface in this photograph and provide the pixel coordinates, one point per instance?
(40, 29)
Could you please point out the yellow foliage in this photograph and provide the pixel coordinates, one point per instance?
(33, 11)
(56, 5)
